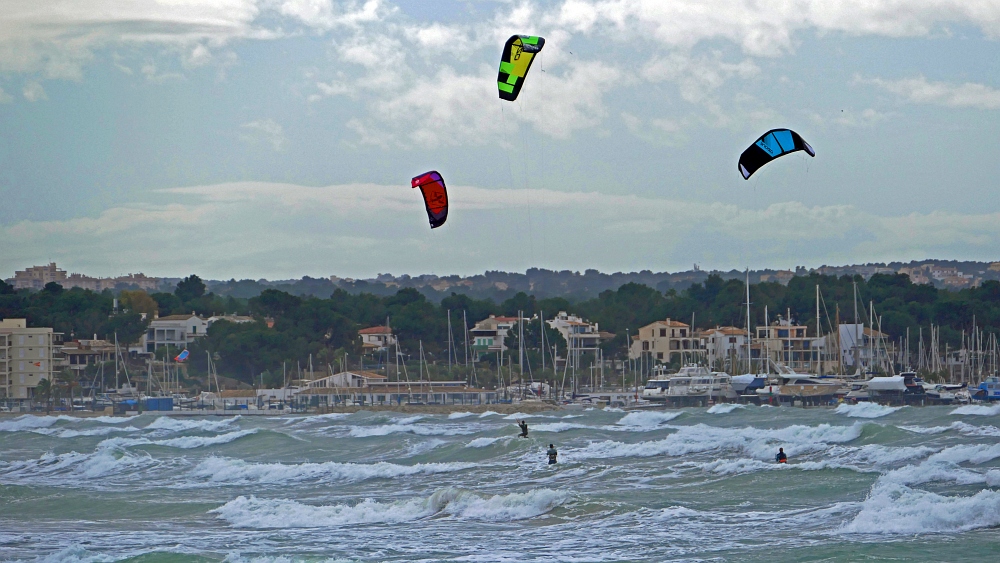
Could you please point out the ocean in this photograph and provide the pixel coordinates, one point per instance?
(863, 483)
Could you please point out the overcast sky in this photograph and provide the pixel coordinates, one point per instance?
(277, 138)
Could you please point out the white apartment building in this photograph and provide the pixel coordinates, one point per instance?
(176, 331)
(27, 356)
(726, 345)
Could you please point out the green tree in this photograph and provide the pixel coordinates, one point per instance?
(190, 288)
(43, 391)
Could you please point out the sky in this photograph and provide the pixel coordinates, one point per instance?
(277, 138)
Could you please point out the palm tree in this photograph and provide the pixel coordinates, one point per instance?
(66, 381)
(44, 391)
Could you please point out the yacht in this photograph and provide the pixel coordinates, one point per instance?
(790, 387)
(696, 385)
(988, 390)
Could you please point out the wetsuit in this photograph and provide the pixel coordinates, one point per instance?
(524, 428)
(552, 453)
(781, 457)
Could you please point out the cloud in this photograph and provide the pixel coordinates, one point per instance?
(920, 91)
(767, 27)
(361, 229)
(33, 92)
(56, 38)
(266, 130)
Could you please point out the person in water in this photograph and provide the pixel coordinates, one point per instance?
(781, 457)
(524, 428)
(552, 453)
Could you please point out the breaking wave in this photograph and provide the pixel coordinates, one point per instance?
(865, 410)
(234, 471)
(183, 442)
(252, 512)
(724, 408)
(172, 424)
(978, 410)
(647, 419)
(759, 443)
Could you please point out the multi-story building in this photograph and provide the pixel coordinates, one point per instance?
(175, 331)
(27, 356)
(666, 341)
(580, 336)
(78, 354)
(489, 335)
(788, 343)
(36, 277)
(725, 346)
(376, 339)
(862, 348)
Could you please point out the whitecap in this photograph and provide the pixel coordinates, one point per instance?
(865, 410)
(725, 408)
(900, 510)
(252, 512)
(235, 471)
(760, 443)
(481, 442)
(647, 420)
(172, 424)
(978, 410)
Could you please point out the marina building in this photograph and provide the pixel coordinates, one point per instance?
(27, 356)
(363, 387)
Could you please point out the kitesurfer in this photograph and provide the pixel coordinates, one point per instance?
(781, 457)
(552, 453)
(524, 428)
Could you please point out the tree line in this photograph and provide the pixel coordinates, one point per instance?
(288, 329)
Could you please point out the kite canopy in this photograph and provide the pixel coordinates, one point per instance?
(515, 61)
(431, 185)
(771, 145)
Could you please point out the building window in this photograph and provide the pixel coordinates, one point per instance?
(645, 345)
(659, 355)
(782, 333)
(683, 332)
(663, 333)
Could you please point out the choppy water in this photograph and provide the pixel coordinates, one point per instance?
(863, 482)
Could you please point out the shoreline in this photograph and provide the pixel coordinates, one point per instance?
(526, 407)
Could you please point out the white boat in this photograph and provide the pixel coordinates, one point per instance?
(697, 385)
